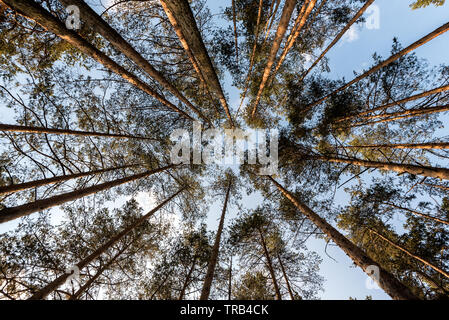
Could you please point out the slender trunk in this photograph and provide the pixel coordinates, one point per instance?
(230, 281)
(397, 246)
(282, 28)
(401, 146)
(215, 251)
(270, 24)
(419, 213)
(290, 291)
(300, 22)
(31, 10)
(253, 54)
(270, 266)
(440, 173)
(180, 14)
(235, 32)
(397, 103)
(388, 117)
(387, 281)
(437, 186)
(42, 182)
(187, 281)
(12, 213)
(44, 292)
(338, 37)
(437, 32)
(102, 27)
(89, 283)
(42, 130)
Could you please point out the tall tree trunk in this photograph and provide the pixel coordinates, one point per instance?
(282, 28)
(299, 24)
(440, 173)
(42, 130)
(437, 32)
(338, 37)
(102, 27)
(230, 281)
(43, 182)
(205, 292)
(418, 213)
(187, 281)
(100, 271)
(397, 246)
(31, 10)
(270, 266)
(388, 117)
(434, 145)
(387, 281)
(44, 292)
(290, 291)
(253, 54)
(396, 103)
(181, 15)
(12, 213)
(234, 18)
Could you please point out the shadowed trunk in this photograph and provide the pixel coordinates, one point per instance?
(270, 266)
(419, 213)
(44, 292)
(12, 213)
(401, 146)
(290, 291)
(187, 281)
(205, 292)
(397, 246)
(386, 281)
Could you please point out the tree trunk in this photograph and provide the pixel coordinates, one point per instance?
(437, 32)
(437, 186)
(41, 130)
(230, 281)
(89, 283)
(419, 213)
(282, 28)
(270, 266)
(187, 281)
(44, 292)
(397, 103)
(181, 17)
(387, 281)
(338, 37)
(12, 213)
(235, 32)
(102, 27)
(253, 53)
(440, 173)
(290, 291)
(401, 115)
(42, 182)
(299, 24)
(31, 10)
(401, 146)
(205, 292)
(397, 246)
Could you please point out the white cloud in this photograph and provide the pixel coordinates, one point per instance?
(351, 35)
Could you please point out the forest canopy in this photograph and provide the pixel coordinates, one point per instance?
(93, 205)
